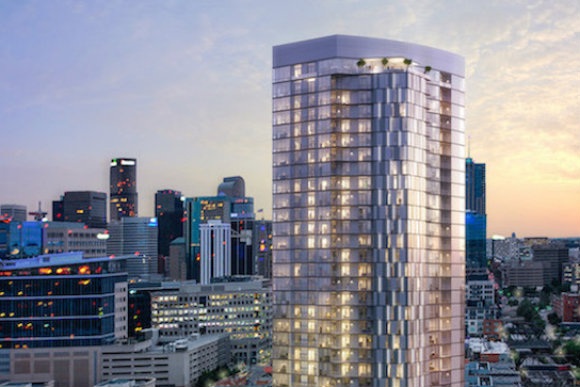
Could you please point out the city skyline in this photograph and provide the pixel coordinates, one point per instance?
(154, 83)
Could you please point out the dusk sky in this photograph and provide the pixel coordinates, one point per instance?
(185, 87)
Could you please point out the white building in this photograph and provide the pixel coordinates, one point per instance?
(215, 250)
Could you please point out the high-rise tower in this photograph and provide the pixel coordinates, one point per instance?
(369, 214)
(123, 188)
(475, 216)
(169, 213)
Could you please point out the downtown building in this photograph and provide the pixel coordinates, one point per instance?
(123, 188)
(14, 212)
(475, 216)
(88, 207)
(240, 307)
(169, 214)
(62, 300)
(369, 214)
(229, 210)
(33, 238)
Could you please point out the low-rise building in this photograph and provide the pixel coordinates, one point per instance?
(484, 350)
(571, 273)
(117, 382)
(492, 329)
(543, 371)
(178, 363)
(492, 374)
(567, 306)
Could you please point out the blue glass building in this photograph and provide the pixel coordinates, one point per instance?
(20, 239)
(475, 215)
(61, 300)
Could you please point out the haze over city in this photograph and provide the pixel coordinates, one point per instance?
(186, 89)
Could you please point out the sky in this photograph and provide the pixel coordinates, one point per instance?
(185, 87)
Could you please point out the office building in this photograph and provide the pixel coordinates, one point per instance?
(215, 250)
(176, 263)
(62, 300)
(169, 214)
(553, 256)
(179, 363)
(21, 239)
(238, 306)
(197, 211)
(369, 214)
(242, 225)
(133, 236)
(263, 248)
(15, 212)
(58, 210)
(527, 274)
(28, 239)
(88, 207)
(123, 188)
(65, 237)
(475, 215)
(237, 211)
(63, 366)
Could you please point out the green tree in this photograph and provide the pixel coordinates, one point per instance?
(554, 319)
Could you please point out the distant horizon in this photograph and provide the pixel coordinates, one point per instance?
(185, 88)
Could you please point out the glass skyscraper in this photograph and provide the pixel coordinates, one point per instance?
(123, 188)
(169, 213)
(369, 214)
(475, 216)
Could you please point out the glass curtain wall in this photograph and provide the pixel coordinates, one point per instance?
(368, 225)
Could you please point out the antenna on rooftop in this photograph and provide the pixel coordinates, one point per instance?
(39, 215)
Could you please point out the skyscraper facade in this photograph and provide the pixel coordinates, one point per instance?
(88, 207)
(475, 215)
(169, 214)
(368, 217)
(133, 236)
(123, 188)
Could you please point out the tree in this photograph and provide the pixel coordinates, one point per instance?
(554, 319)
(513, 302)
(572, 350)
(526, 310)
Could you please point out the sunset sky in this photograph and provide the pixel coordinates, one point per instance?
(185, 87)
